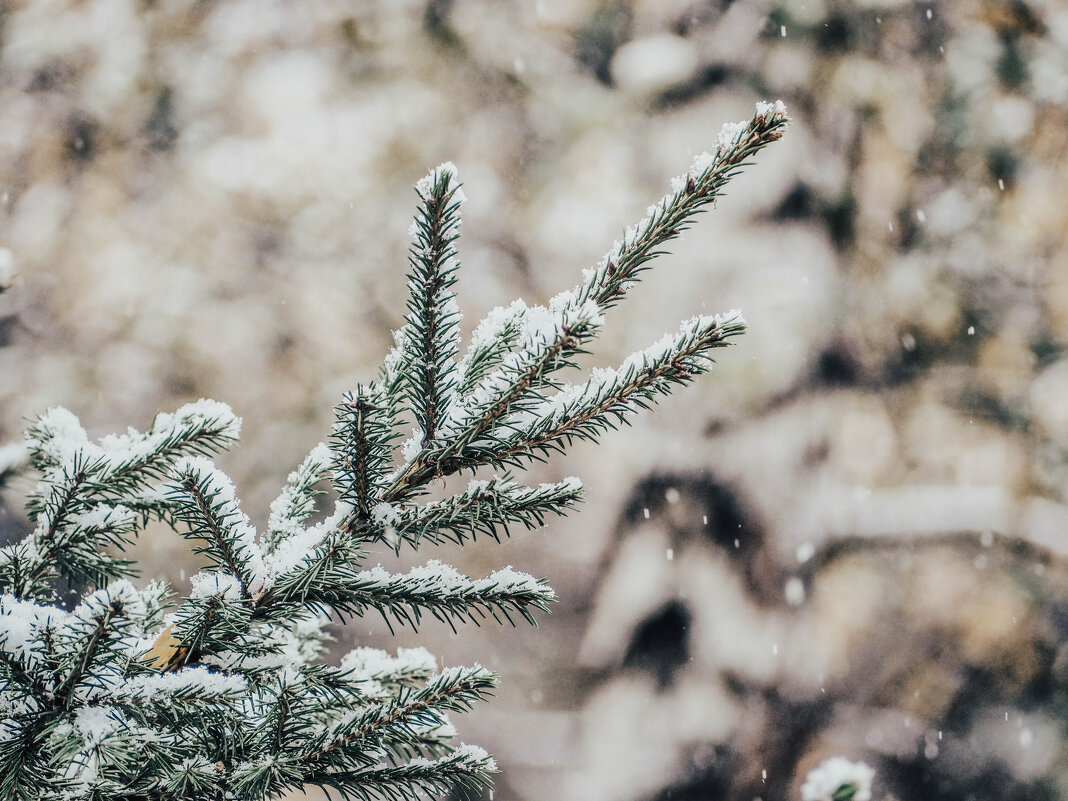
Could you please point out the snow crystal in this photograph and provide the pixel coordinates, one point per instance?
(21, 623)
(426, 184)
(490, 329)
(537, 325)
(373, 666)
(509, 580)
(412, 446)
(824, 781)
(210, 585)
(7, 268)
(475, 754)
(375, 663)
(293, 496)
(394, 362)
(702, 163)
(96, 723)
(384, 514)
(569, 484)
(103, 516)
(773, 110)
(438, 578)
(59, 436)
(121, 592)
(120, 449)
(477, 486)
(199, 680)
(730, 133)
(376, 575)
(301, 542)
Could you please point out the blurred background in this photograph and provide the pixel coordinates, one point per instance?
(850, 539)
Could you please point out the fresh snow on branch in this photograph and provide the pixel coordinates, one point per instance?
(222, 693)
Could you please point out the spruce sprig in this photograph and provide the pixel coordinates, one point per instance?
(222, 694)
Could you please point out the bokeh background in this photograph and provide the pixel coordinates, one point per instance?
(850, 539)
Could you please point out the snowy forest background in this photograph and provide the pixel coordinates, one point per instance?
(851, 538)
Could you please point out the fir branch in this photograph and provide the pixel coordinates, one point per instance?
(433, 316)
(492, 339)
(223, 701)
(548, 342)
(485, 507)
(601, 289)
(204, 500)
(210, 621)
(25, 567)
(381, 673)
(202, 428)
(691, 193)
(362, 446)
(97, 641)
(465, 772)
(611, 396)
(357, 740)
(25, 774)
(435, 588)
(296, 503)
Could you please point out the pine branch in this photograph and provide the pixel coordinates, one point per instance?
(296, 503)
(547, 344)
(486, 507)
(216, 617)
(356, 741)
(362, 446)
(223, 700)
(97, 641)
(465, 773)
(491, 341)
(433, 316)
(584, 411)
(601, 289)
(329, 581)
(617, 273)
(205, 501)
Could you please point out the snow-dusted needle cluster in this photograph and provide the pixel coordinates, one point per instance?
(222, 694)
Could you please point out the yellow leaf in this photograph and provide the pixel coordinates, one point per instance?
(166, 651)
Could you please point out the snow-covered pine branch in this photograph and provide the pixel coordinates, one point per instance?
(223, 693)
(485, 507)
(433, 315)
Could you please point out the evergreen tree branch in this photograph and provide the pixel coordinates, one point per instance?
(205, 501)
(491, 341)
(355, 741)
(433, 316)
(611, 396)
(485, 507)
(617, 273)
(362, 446)
(464, 772)
(435, 588)
(296, 503)
(224, 700)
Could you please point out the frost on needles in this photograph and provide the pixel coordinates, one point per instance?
(136, 693)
